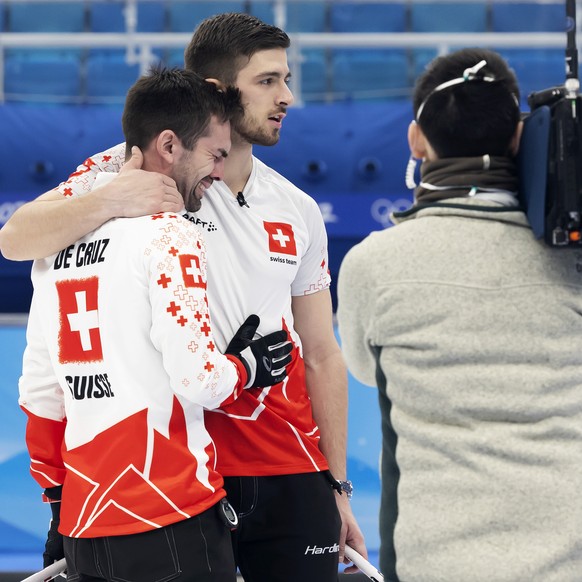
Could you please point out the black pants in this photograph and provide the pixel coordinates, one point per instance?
(193, 550)
(289, 528)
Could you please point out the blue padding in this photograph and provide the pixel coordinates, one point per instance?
(109, 77)
(448, 17)
(47, 76)
(528, 17)
(368, 17)
(366, 73)
(184, 16)
(46, 17)
(59, 136)
(332, 140)
(342, 136)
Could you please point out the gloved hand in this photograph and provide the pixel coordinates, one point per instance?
(264, 358)
(53, 549)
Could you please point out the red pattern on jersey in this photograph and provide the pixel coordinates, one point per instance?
(132, 487)
(268, 431)
(87, 166)
(43, 439)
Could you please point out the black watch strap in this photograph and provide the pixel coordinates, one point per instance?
(340, 486)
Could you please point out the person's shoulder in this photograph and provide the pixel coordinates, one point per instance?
(164, 222)
(377, 241)
(267, 174)
(159, 232)
(109, 160)
(176, 222)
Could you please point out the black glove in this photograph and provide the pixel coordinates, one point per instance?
(53, 549)
(264, 358)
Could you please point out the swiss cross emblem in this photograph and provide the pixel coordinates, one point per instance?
(281, 238)
(190, 265)
(79, 337)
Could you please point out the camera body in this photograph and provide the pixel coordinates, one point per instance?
(550, 156)
(550, 165)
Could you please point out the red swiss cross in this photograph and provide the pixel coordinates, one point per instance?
(190, 265)
(79, 337)
(281, 238)
(164, 280)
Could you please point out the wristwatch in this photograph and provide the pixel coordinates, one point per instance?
(347, 488)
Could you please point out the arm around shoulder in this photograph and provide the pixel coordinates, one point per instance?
(53, 221)
(50, 223)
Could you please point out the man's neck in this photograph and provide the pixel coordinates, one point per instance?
(238, 165)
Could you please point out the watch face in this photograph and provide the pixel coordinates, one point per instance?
(347, 487)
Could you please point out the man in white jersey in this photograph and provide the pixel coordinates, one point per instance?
(121, 363)
(268, 254)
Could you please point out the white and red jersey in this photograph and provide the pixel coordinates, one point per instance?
(259, 256)
(119, 366)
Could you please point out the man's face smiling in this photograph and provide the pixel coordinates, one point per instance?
(265, 96)
(195, 170)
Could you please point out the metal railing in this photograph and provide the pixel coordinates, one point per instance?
(140, 47)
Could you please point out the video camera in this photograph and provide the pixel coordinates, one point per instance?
(550, 156)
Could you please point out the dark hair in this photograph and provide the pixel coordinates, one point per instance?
(223, 44)
(174, 99)
(471, 118)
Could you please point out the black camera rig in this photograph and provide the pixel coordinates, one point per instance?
(550, 159)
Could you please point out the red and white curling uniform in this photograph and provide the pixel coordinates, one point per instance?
(259, 256)
(119, 365)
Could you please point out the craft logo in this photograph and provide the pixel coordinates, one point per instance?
(79, 337)
(281, 238)
(205, 224)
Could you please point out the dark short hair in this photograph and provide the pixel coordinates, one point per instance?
(223, 44)
(472, 118)
(175, 99)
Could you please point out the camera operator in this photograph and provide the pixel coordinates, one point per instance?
(472, 330)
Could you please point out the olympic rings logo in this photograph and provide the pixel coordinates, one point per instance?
(382, 209)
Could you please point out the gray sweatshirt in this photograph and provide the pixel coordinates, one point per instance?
(477, 331)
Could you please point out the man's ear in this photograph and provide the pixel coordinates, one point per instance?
(167, 145)
(416, 141)
(162, 152)
(516, 139)
(219, 84)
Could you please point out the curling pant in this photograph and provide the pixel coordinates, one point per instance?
(289, 528)
(197, 549)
